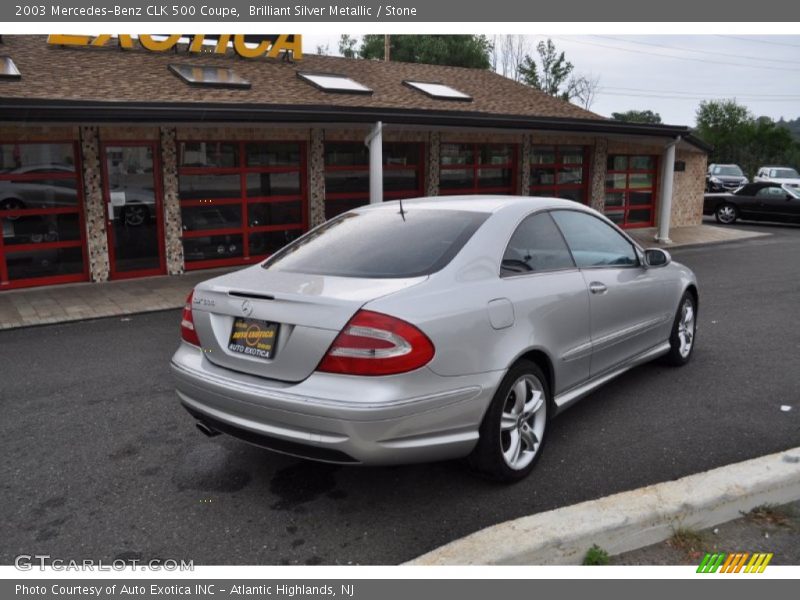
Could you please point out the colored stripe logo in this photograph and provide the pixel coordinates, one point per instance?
(737, 562)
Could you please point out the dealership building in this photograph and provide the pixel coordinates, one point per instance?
(126, 157)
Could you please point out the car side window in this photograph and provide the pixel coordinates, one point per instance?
(593, 242)
(536, 246)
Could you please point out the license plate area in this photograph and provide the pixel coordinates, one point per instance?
(253, 337)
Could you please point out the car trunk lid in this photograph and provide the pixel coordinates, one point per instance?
(309, 310)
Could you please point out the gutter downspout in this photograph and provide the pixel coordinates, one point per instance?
(374, 141)
(665, 201)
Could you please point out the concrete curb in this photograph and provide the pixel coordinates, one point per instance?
(629, 520)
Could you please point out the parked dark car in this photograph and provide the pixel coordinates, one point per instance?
(760, 201)
(724, 178)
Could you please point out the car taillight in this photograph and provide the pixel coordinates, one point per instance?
(376, 344)
(188, 333)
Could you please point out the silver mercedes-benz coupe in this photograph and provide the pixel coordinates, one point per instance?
(433, 329)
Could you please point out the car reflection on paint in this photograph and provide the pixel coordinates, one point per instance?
(434, 329)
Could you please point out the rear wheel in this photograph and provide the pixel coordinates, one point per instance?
(513, 430)
(726, 214)
(681, 341)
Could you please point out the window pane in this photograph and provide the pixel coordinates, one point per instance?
(543, 155)
(576, 195)
(495, 154)
(639, 216)
(209, 154)
(642, 162)
(37, 158)
(450, 179)
(223, 216)
(616, 181)
(274, 213)
(200, 187)
(44, 263)
(272, 154)
(615, 198)
(39, 193)
(38, 229)
(543, 176)
(273, 184)
(382, 243)
(401, 154)
(213, 247)
(593, 242)
(617, 162)
(400, 180)
(571, 155)
(338, 182)
(640, 180)
(570, 176)
(338, 206)
(269, 242)
(616, 217)
(641, 198)
(492, 178)
(346, 154)
(456, 154)
(536, 245)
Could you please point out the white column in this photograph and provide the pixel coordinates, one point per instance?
(665, 201)
(374, 141)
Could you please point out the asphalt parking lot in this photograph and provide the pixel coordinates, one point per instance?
(100, 461)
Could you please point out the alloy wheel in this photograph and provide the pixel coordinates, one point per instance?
(726, 214)
(686, 328)
(522, 422)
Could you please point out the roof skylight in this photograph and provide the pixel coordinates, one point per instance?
(439, 91)
(8, 70)
(209, 76)
(329, 82)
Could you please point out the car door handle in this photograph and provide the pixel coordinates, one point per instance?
(597, 288)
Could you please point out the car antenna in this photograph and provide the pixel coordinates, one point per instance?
(402, 212)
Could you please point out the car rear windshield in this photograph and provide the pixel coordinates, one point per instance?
(380, 243)
(729, 170)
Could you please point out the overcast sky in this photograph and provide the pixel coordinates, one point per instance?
(671, 74)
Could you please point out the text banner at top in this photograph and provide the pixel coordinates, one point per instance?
(475, 11)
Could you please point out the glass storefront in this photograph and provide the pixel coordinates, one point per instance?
(477, 169)
(631, 189)
(41, 215)
(560, 172)
(240, 201)
(347, 174)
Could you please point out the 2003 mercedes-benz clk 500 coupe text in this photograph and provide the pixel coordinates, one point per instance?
(435, 329)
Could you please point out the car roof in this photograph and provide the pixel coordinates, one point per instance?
(482, 203)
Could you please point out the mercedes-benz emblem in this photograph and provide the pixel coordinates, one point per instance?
(247, 308)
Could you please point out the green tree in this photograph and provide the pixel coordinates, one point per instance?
(452, 50)
(550, 74)
(741, 138)
(637, 116)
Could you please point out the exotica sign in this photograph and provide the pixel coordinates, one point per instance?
(196, 43)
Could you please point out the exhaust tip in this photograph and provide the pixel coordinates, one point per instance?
(206, 430)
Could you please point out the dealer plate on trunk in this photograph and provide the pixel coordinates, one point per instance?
(253, 337)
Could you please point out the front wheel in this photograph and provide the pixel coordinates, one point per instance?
(513, 430)
(681, 341)
(726, 214)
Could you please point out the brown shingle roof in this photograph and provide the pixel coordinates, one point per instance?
(110, 74)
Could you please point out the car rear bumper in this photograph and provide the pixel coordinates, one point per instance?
(414, 417)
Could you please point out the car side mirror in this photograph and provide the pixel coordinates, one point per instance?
(656, 257)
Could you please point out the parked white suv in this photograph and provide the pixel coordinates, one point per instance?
(785, 175)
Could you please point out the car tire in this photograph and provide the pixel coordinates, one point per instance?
(11, 204)
(684, 329)
(513, 432)
(726, 214)
(135, 215)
